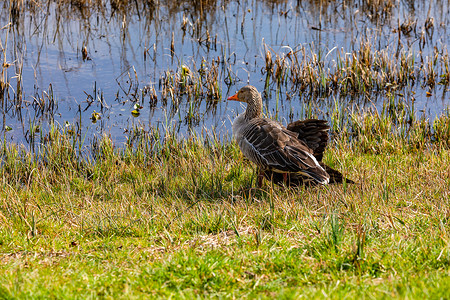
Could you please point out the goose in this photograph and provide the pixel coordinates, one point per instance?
(315, 134)
(272, 147)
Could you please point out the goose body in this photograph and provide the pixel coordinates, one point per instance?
(271, 146)
(315, 134)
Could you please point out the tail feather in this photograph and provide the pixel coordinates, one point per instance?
(297, 179)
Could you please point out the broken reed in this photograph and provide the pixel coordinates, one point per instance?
(311, 71)
(192, 82)
(360, 72)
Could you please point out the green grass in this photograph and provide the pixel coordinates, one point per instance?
(168, 217)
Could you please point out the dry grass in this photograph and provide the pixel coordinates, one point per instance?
(165, 216)
(170, 216)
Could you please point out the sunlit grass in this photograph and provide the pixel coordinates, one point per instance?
(168, 216)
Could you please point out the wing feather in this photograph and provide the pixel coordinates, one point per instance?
(314, 133)
(272, 147)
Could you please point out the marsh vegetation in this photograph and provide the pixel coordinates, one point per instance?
(64, 61)
(119, 177)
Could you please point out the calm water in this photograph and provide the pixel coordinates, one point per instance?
(129, 50)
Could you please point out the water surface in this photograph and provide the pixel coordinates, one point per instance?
(130, 50)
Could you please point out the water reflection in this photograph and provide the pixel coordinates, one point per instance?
(64, 60)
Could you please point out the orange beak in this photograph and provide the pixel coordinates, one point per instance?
(234, 97)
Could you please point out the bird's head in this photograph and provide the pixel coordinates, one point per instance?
(247, 94)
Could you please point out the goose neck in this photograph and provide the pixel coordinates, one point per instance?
(254, 108)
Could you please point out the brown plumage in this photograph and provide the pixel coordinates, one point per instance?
(315, 134)
(274, 148)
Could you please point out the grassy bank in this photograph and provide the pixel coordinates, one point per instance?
(165, 216)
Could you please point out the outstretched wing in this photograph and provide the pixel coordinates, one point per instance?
(314, 133)
(273, 147)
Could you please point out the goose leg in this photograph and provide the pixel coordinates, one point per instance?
(285, 178)
(260, 178)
